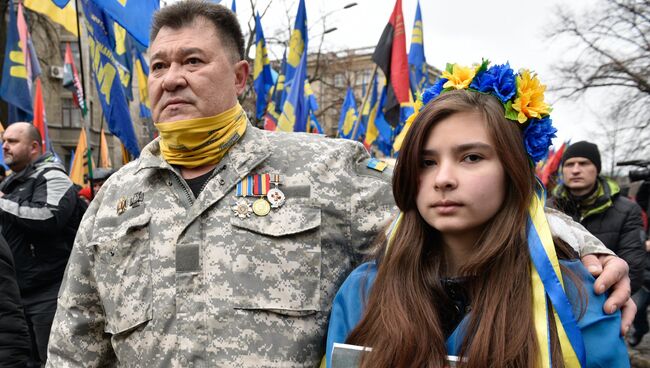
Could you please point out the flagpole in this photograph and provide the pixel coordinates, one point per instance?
(99, 145)
(81, 59)
(86, 125)
(363, 104)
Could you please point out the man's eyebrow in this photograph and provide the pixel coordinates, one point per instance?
(183, 51)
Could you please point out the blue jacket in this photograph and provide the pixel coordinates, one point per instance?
(600, 332)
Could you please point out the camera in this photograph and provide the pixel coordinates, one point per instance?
(639, 174)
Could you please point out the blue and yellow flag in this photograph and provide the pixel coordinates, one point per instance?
(62, 12)
(418, 78)
(105, 73)
(369, 110)
(311, 97)
(298, 42)
(369, 115)
(14, 88)
(262, 77)
(134, 15)
(142, 71)
(314, 125)
(295, 110)
(348, 115)
(277, 94)
(385, 131)
(120, 42)
(61, 3)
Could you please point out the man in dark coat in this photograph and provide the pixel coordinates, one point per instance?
(38, 207)
(595, 202)
(14, 338)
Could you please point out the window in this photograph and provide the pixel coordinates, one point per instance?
(339, 80)
(70, 114)
(365, 78)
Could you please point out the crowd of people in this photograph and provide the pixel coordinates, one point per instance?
(225, 245)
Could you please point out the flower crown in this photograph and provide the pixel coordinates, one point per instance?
(522, 96)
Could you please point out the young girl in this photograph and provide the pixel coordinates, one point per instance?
(470, 268)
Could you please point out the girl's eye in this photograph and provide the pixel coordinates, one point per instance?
(428, 163)
(472, 158)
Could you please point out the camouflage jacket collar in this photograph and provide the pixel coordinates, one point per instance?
(252, 149)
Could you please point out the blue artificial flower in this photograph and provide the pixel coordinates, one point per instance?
(537, 137)
(498, 80)
(433, 91)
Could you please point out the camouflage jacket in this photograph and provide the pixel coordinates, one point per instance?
(160, 279)
(168, 280)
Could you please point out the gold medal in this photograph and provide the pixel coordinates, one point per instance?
(261, 207)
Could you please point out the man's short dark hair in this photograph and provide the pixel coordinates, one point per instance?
(183, 13)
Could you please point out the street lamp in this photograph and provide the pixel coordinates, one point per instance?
(328, 30)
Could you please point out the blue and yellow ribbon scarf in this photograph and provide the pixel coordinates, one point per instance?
(546, 281)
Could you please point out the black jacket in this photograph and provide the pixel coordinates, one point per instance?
(35, 213)
(612, 218)
(14, 338)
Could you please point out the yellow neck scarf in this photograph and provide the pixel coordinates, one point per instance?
(196, 142)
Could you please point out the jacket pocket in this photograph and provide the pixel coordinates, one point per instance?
(277, 261)
(123, 274)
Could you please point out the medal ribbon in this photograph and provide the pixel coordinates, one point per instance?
(547, 280)
(254, 185)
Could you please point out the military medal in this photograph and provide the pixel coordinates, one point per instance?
(256, 186)
(275, 196)
(242, 209)
(261, 207)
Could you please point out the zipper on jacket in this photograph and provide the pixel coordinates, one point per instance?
(183, 183)
(185, 189)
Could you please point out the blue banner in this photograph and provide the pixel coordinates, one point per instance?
(134, 15)
(348, 115)
(60, 3)
(295, 110)
(109, 89)
(418, 78)
(14, 88)
(262, 77)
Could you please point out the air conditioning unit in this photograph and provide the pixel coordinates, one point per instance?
(56, 72)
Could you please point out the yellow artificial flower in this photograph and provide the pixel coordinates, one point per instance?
(460, 78)
(530, 97)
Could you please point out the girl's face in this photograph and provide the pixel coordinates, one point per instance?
(462, 182)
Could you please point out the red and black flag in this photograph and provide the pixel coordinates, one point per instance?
(71, 80)
(390, 56)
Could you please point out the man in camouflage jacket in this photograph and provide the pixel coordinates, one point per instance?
(161, 277)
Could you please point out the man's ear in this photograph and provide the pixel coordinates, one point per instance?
(36, 149)
(242, 70)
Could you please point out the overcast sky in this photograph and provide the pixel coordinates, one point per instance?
(460, 31)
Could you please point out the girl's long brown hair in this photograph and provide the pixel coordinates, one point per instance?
(402, 317)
